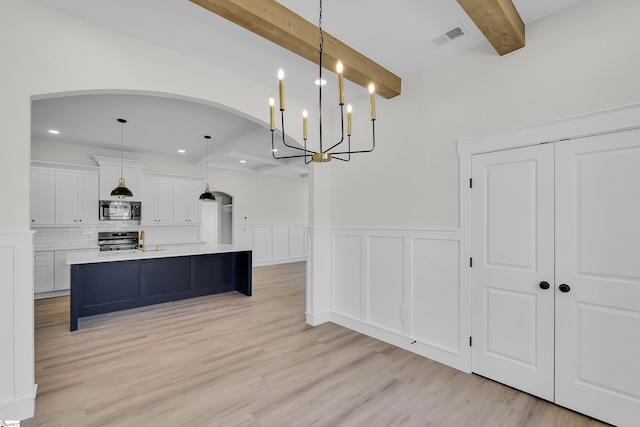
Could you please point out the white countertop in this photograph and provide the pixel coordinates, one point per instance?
(150, 253)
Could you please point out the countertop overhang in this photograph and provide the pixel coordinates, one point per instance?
(150, 253)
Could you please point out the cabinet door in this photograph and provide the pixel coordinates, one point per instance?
(164, 201)
(66, 197)
(42, 196)
(43, 272)
(88, 198)
(148, 201)
(62, 275)
(194, 190)
(180, 206)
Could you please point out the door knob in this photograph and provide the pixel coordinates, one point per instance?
(544, 285)
(564, 288)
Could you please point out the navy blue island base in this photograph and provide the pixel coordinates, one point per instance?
(104, 287)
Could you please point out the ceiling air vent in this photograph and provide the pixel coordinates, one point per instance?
(452, 34)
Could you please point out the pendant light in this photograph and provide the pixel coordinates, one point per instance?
(121, 190)
(207, 196)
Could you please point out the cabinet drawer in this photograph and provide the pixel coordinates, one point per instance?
(42, 256)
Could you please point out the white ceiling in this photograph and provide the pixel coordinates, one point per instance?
(396, 34)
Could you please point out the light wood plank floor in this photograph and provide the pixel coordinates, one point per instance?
(232, 360)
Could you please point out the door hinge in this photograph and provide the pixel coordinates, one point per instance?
(470, 262)
(470, 183)
(470, 342)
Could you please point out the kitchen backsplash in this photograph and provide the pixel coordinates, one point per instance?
(87, 236)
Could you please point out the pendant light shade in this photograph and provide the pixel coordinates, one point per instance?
(121, 190)
(207, 196)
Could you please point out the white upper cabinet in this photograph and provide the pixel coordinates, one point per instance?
(111, 169)
(157, 201)
(42, 196)
(186, 202)
(76, 198)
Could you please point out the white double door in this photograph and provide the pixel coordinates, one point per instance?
(556, 272)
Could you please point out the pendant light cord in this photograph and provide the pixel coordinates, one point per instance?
(121, 148)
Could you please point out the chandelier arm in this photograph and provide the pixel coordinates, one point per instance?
(284, 141)
(373, 144)
(273, 153)
(348, 152)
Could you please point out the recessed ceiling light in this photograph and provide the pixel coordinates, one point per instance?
(243, 161)
(320, 82)
(181, 151)
(53, 131)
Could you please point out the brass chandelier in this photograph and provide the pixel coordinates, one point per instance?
(335, 151)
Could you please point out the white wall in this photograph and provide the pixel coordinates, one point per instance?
(580, 60)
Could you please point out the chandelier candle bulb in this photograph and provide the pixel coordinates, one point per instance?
(281, 88)
(271, 113)
(349, 109)
(372, 100)
(304, 124)
(339, 69)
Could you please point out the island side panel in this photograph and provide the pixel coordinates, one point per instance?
(213, 272)
(76, 294)
(243, 266)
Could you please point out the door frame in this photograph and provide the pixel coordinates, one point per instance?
(597, 123)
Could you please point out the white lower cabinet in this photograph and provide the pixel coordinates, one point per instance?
(51, 272)
(62, 276)
(43, 268)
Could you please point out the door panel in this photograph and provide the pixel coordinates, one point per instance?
(513, 251)
(598, 256)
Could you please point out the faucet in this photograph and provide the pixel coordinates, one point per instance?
(141, 246)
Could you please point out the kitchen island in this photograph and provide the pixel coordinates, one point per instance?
(103, 282)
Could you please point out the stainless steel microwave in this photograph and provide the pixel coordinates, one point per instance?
(120, 210)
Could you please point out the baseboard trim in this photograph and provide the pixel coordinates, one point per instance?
(19, 409)
(445, 357)
(318, 319)
(278, 261)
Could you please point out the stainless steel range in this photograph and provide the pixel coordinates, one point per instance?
(117, 240)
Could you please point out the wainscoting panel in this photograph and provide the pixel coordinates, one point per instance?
(280, 242)
(402, 287)
(386, 282)
(347, 287)
(435, 308)
(263, 243)
(273, 244)
(17, 389)
(296, 241)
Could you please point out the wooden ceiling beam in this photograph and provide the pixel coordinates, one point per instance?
(274, 22)
(499, 21)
